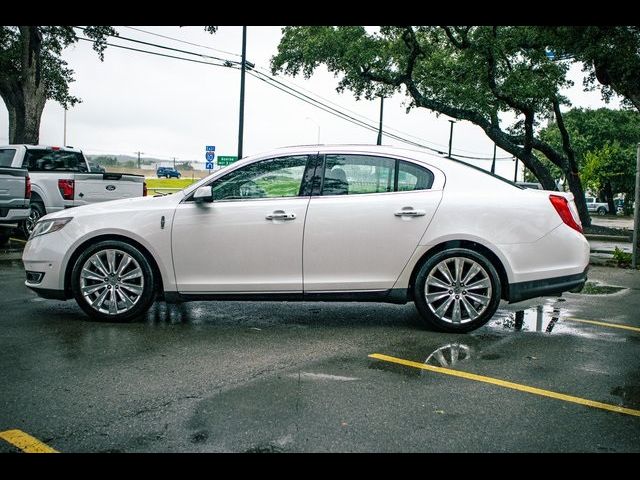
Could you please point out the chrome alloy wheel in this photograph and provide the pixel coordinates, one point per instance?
(458, 290)
(111, 281)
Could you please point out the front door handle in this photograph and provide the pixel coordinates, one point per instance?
(410, 212)
(280, 215)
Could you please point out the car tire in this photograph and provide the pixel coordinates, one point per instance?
(602, 211)
(36, 212)
(5, 234)
(113, 281)
(443, 300)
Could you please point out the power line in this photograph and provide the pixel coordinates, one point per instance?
(182, 41)
(281, 83)
(169, 48)
(159, 54)
(281, 86)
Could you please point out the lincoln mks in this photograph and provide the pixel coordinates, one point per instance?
(319, 223)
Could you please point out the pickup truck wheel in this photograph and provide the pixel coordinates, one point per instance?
(5, 233)
(602, 211)
(37, 211)
(112, 281)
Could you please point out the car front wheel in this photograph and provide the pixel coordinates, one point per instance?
(602, 211)
(113, 281)
(457, 290)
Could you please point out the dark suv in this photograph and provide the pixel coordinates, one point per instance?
(168, 172)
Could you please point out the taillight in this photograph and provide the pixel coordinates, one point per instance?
(144, 189)
(27, 188)
(561, 204)
(66, 188)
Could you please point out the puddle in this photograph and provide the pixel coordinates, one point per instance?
(543, 318)
(448, 355)
(595, 288)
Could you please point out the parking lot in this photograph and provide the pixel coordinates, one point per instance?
(563, 376)
(321, 377)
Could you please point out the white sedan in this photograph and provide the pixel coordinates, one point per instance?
(326, 223)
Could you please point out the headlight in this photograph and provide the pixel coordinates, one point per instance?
(47, 226)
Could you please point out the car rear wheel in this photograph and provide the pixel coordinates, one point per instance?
(113, 281)
(457, 290)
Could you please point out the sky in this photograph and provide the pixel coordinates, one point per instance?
(169, 108)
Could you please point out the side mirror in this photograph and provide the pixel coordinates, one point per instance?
(203, 194)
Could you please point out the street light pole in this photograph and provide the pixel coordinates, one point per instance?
(380, 129)
(64, 138)
(451, 136)
(493, 163)
(636, 213)
(242, 71)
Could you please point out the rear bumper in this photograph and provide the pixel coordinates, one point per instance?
(13, 215)
(548, 286)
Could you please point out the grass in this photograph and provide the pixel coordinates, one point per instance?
(154, 184)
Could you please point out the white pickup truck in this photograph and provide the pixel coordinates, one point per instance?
(61, 178)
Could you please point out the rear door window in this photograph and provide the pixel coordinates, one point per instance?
(58, 160)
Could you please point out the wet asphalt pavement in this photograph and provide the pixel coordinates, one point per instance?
(296, 377)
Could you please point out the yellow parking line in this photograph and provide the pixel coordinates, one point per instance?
(505, 384)
(604, 324)
(17, 240)
(26, 442)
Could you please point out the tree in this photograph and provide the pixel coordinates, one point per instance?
(611, 169)
(32, 71)
(604, 141)
(468, 73)
(610, 54)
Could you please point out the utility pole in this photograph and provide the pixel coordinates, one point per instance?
(515, 173)
(636, 213)
(380, 129)
(242, 71)
(64, 138)
(174, 162)
(139, 158)
(451, 136)
(493, 163)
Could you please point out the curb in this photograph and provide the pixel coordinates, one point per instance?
(610, 238)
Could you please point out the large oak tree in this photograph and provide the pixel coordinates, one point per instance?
(32, 71)
(468, 73)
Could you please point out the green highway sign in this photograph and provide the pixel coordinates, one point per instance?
(224, 161)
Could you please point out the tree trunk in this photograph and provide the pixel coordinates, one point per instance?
(26, 95)
(608, 193)
(575, 187)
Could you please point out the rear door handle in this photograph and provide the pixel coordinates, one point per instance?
(410, 212)
(280, 215)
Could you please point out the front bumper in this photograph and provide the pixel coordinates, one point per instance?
(548, 286)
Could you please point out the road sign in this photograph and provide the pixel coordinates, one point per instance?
(226, 160)
(211, 148)
(210, 156)
(209, 165)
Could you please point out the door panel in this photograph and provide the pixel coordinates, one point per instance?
(249, 239)
(365, 225)
(357, 242)
(233, 247)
